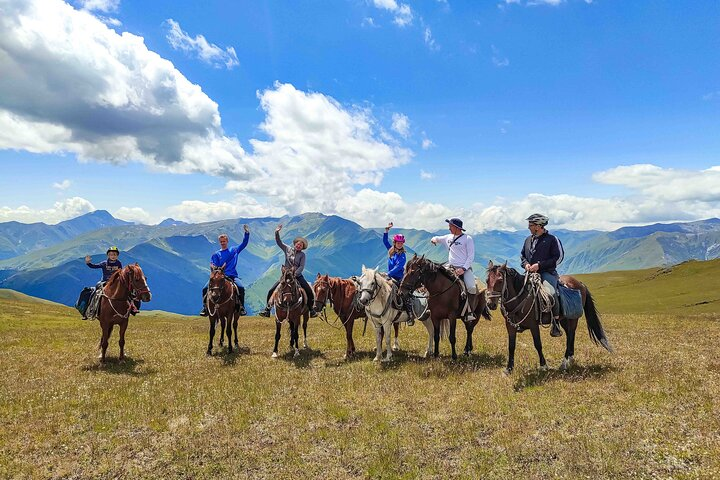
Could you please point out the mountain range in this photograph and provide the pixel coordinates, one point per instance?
(47, 261)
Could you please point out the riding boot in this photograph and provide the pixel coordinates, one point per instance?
(555, 329)
(313, 312)
(241, 310)
(265, 312)
(409, 310)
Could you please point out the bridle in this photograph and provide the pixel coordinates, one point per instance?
(427, 267)
(220, 289)
(493, 294)
(288, 305)
(126, 280)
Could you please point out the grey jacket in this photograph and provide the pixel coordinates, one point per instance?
(293, 258)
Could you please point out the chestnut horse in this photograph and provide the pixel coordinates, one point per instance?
(115, 303)
(221, 301)
(290, 301)
(341, 294)
(444, 300)
(518, 299)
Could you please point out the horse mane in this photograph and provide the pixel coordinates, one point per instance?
(517, 279)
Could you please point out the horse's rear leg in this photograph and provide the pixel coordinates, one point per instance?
(222, 332)
(212, 335)
(350, 351)
(295, 337)
(388, 349)
(235, 324)
(121, 342)
(306, 317)
(228, 331)
(429, 327)
(453, 325)
(436, 338)
(277, 339)
(396, 344)
(570, 326)
(537, 341)
(512, 340)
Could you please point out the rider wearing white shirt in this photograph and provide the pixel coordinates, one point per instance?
(461, 254)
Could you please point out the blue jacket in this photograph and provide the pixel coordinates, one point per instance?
(396, 263)
(108, 268)
(229, 257)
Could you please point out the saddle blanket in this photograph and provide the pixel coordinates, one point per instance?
(570, 302)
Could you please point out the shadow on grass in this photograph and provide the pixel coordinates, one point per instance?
(229, 358)
(576, 373)
(124, 367)
(304, 359)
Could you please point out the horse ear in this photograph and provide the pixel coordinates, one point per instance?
(363, 268)
(283, 269)
(318, 275)
(490, 264)
(414, 255)
(504, 266)
(223, 267)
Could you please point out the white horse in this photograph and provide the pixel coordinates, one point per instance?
(375, 291)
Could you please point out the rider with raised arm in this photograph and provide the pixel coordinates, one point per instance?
(228, 257)
(541, 253)
(294, 258)
(461, 254)
(110, 266)
(396, 264)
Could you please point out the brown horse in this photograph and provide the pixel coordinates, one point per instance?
(221, 301)
(290, 301)
(341, 294)
(116, 301)
(444, 300)
(518, 299)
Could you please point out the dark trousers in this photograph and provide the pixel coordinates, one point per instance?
(305, 286)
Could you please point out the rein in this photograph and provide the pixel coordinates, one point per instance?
(288, 306)
(218, 305)
(423, 272)
(531, 294)
(329, 300)
(130, 295)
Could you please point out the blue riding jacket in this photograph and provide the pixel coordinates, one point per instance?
(396, 262)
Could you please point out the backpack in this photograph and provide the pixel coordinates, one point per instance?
(84, 299)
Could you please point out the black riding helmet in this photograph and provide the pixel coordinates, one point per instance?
(113, 249)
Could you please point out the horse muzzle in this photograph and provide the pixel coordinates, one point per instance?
(146, 297)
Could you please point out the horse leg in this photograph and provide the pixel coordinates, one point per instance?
(378, 342)
(570, 327)
(436, 337)
(537, 341)
(388, 349)
(277, 338)
(512, 339)
(106, 340)
(222, 331)
(296, 337)
(469, 327)
(429, 327)
(212, 335)
(235, 324)
(121, 342)
(306, 317)
(229, 331)
(350, 350)
(396, 344)
(453, 324)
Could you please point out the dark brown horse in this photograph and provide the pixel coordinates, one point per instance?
(520, 306)
(444, 300)
(341, 294)
(116, 300)
(221, 301)
(290, 301)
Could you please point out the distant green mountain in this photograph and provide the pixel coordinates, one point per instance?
(175, 256)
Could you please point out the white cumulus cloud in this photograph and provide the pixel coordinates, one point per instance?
(198, 45)
(64, 185)
(401, 124)
(402, 13)
(62, 210)
(133, 214)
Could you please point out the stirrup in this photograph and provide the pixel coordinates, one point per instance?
(264, 312)
(555, 329)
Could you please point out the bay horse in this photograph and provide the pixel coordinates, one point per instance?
(290, 301)
(220, 305)
(376, 296)
(116, 300)
(520, 306)
(341, 294)
(444, 300)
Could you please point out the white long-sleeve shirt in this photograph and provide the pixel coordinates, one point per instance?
(461, 249)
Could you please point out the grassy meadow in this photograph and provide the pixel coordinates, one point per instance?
(651, 410)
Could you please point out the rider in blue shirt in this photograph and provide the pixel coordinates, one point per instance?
(228, 257)
(396, 264)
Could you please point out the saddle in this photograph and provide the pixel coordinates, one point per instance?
(468, 300)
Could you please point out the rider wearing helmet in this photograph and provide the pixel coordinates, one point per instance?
(396, 264)
(541, 253)
(110, 266)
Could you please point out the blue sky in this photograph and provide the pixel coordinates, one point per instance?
(597, 113)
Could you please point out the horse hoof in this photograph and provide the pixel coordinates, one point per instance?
(376, 359)
(230, 350)
(544, 368)
(386, 360)
(566, 363)
(305, 346)
(274, 355)
(507, 371)
(237, 345)
(395, 348)
(297, 353)
(208, 353)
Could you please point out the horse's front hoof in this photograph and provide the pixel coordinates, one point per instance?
(230, 350)
(508, 371)
(544, 368)
(567, 363)
(386, 360)
(376, 359)
(297, 353)
(396, 348)
(274, 355)
(237, 345)
(306, 346)
(209, 352)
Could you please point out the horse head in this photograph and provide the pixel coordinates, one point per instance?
(415, 273)
(367, 285)
(288, 286)
(321, 288)
(496, 283)
(217, 282)
(137, 282)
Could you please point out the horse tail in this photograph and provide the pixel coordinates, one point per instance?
(444, 328)
(595, 328)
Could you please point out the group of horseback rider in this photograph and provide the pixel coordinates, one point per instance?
(541, 253)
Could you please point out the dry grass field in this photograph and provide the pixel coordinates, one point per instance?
(651, 410)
